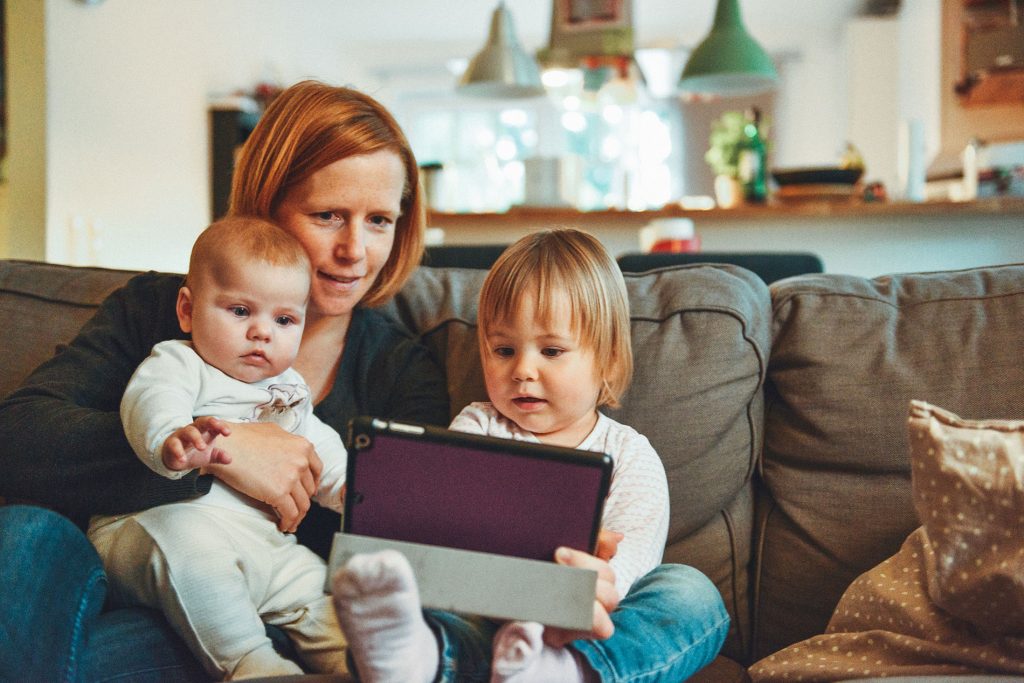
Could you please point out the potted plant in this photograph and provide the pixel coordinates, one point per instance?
(723, 156)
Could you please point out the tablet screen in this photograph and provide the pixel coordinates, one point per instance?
(429, 485)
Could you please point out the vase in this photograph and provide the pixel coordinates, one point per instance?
(728, 192)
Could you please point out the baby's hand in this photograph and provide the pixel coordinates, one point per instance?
(192, 445)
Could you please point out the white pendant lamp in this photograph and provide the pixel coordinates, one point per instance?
(502, 68)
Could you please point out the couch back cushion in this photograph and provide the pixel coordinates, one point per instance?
(848, 355)
(700, 344)
(43, 305)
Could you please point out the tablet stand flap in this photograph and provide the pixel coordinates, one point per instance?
(484, 584)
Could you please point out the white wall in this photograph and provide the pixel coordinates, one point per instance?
(873, 44)
(128, 82)
(128, 85)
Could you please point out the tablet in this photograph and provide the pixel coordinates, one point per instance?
(423, 484)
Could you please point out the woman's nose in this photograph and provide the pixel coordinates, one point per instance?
(350, 245)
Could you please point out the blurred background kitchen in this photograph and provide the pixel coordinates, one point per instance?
(118, 114)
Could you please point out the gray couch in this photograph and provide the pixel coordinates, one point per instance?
(779, 412)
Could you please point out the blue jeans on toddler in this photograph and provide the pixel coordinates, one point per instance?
(671, 624)
(52, 628)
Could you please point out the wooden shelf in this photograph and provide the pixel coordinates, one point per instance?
(543, 216)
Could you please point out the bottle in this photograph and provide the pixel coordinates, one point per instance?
(753, 171)
(970, 166)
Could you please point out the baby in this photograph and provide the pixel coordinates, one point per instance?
(217, 565)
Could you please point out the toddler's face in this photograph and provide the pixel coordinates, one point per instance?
(540, 376)
(247, 322)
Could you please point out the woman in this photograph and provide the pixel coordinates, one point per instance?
(330, 166)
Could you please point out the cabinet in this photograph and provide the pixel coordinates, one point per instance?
(992, 52)
(230, 125)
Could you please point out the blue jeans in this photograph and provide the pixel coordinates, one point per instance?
(52, 628)
(671, 624)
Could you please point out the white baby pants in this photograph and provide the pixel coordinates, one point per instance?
(218, 575)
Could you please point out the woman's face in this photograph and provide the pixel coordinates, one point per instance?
(344, 215)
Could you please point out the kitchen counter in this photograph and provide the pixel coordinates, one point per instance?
(857, 238)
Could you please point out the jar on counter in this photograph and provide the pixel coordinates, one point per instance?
(675, 235)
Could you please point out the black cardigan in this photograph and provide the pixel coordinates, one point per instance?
(61, 440)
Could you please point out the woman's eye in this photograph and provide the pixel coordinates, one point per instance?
(382, 222)
(239, 311)
(326, 216)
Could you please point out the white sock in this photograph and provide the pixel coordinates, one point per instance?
(520, 656)
(379, 609)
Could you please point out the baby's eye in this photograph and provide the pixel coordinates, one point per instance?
(285, 320)
(239, 311)
(552, 351)
(504, 351)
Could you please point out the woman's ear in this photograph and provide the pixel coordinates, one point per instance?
(184, 309)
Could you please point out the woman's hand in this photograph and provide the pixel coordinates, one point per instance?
(272, 466)
(605, 602)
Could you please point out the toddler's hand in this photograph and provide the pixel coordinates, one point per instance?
(192, 445)
(605, 602)
(608, 543)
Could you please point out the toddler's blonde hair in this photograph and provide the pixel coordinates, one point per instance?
(574, 263)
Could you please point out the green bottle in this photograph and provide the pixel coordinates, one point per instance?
(753, 161)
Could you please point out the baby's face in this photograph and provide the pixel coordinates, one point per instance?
(247, 321)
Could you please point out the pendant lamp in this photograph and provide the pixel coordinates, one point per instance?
(728, 62)
(502, 68)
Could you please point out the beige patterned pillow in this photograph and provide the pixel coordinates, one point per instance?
(968, 484)
(951, 601)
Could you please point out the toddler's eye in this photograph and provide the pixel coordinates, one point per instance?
(504, 351)
(239, 311)
(553, 352)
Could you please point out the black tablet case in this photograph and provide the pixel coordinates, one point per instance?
(424, 484)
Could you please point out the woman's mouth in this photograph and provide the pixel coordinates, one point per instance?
(345, 281)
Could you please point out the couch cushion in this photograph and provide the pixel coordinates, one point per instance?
(700, 345)
(848, 354)
(43, 305)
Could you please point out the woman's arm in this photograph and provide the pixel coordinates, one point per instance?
(61, 439)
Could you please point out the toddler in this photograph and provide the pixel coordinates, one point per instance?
(554, 333)
(217, 565)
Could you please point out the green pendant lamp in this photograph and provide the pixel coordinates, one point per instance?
(729, 62)
(502, 68)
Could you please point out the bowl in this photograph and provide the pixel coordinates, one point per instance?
(817, 176)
